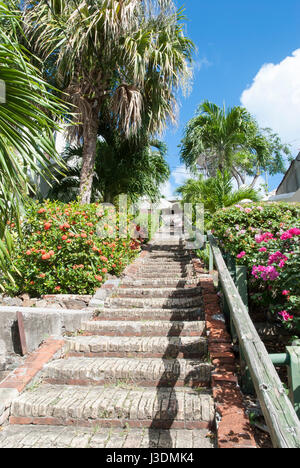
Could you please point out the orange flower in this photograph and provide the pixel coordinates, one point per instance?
(28, 252)
(47, 226)
(98, 278)
(64, 237)
(46, 256)
(57, 288)
(42, 275)
(83, 235)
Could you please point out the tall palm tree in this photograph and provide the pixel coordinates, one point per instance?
(27, 114)
(220, 139)
(215, 192)
(128, 55)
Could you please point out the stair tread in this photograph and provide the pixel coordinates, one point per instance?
(128, 369)
(85, 437)
(115, 402)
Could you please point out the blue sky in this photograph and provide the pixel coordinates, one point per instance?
(235, 39)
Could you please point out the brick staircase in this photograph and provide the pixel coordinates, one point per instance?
(136, 377)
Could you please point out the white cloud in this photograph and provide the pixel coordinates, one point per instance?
(167, 190)
(203, 62)
(274, 98)
(181, 174)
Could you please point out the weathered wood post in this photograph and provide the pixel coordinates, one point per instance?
(294, 375)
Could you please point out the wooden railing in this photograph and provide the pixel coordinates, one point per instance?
(277, 408)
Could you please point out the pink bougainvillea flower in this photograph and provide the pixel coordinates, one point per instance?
(285, 315)
(241, 254)
(285, 292)
(263, 249)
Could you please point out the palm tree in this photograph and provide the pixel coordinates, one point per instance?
(216, 139)
(126, 55)
(216, 192)
(27, 113)
(129, 167)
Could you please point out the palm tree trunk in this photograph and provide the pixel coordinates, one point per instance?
(255, 179)
(90, 135)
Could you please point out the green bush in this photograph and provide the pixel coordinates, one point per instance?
(266, 238)
(67, 248)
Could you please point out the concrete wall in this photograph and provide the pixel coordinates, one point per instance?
(39, 324)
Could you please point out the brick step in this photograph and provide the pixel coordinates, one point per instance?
(147, 372)
(169, 256)
(144, 328)
(113, 406)
(193, 314)
(159, 292)
(157, 267)
(169, 261)
(156, 303)
(157, 346)
(151, 274)
(159, 283)
(85, 437)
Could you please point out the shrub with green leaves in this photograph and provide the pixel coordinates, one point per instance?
(62, 251)
(266, 238)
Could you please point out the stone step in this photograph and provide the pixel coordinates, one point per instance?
(156, 303)
(159, 283)
(143, 372)
(60, 405)
(169, 256)
(144, 328)
(153, 346)
(166, 268)
(85, 437)
(159, 292)
(189, 314)
(169, 261)
(151, 274)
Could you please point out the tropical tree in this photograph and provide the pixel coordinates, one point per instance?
(123, 166)
(215, 192)
(27, 114)
(216, 139)
(130, 56)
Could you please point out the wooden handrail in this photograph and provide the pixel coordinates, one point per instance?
(280, 416)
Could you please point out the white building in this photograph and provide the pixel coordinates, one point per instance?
(289, 189)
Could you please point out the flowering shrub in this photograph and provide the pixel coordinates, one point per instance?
(68, 249)
(266, 238)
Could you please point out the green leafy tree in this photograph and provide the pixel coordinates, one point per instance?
(215, 192)
(130, 56)
(27, 114)
(216, 139)
(123, 166)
